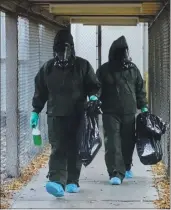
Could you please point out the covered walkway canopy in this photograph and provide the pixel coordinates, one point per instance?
(96, 12)
(27, 31)
(102, 12)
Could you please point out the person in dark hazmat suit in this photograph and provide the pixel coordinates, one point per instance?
(122, 92)
(64, 82)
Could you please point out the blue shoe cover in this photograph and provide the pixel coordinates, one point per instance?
(55, 189)
(128, 174)
(115, 181)
(72, 188)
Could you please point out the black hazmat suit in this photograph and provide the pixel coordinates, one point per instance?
(122, 92)
(65, 90)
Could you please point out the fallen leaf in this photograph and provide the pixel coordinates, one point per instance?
(163, 186)
(8, 189)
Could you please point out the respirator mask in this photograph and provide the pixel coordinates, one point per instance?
(63, 54)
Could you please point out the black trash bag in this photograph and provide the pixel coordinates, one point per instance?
(93, 108)
(149, 129)
(152, 123)
(89, 141)
(149, 150)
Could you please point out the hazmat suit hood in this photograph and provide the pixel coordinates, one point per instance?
(118, 52)
(63, 49)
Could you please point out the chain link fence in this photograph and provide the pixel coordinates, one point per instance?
(159, 74)
(35, 44)
(35, 47)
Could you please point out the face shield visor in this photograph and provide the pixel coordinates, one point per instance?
(63, 54)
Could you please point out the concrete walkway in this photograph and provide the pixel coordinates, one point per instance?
(96, 192)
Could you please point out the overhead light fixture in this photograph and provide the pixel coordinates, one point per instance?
(95, 9)
(106, 24)
(91, 20)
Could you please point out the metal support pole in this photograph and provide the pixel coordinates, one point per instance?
(12, 96)
(145, 47)
(99, 45)
(0, 73)
(145, 56)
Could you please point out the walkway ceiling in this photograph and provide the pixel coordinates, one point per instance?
(101, 12)
(98, 12)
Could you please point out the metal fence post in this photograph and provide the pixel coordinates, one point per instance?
(99, 45)
(145, 56)
(0, 65)
(12, 93)
(0, 76)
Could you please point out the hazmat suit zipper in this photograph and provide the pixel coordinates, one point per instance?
(128, 85)
(117, 88)
(63, 77)
(113, 75)
(129, 88)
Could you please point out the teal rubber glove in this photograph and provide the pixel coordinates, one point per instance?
(144, 110)
(34, 119)
(93, 98)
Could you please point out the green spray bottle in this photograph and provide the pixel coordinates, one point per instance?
(37, 139)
